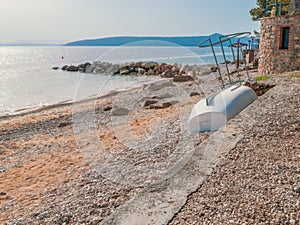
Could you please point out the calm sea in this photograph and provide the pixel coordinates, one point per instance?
(27, 79)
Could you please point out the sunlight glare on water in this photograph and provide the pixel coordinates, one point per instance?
(27, 78)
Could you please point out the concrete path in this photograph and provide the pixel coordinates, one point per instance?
(158, 203)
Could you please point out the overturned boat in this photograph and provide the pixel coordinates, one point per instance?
(213, 112)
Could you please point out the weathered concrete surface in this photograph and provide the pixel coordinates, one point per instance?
(158, 203)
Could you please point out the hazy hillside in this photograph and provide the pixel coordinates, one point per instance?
(144, 41)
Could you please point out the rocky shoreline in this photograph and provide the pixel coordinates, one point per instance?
(80, 163)
(180, 73)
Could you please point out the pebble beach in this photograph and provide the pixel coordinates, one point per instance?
(258, 181)
(85, 163)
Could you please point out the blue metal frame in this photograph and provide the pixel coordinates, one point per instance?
(225, 38)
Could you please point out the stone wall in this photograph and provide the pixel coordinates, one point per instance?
(272, 59)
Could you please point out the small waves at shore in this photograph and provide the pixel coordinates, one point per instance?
(27, 80)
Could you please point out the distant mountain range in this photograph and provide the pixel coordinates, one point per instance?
(187, 41)
(146, 41)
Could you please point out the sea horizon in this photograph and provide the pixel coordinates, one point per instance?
(28, 80)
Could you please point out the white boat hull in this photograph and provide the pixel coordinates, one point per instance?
(213, 112)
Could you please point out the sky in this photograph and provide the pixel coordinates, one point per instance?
(61, 21)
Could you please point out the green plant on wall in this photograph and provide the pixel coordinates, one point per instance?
(260, 11)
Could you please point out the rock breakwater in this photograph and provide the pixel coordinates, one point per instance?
(180, 72)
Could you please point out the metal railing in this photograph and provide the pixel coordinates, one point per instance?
(282, 8)
(227, 39)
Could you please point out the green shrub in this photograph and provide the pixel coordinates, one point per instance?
(294, 76)
(262, 78)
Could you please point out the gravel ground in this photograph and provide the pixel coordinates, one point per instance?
(54, 171)
(258, 181)
(45, 179)
(77, 165)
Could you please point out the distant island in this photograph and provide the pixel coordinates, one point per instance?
(187, 41)
(145, 41)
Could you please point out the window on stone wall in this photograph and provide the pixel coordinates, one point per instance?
(285, 37)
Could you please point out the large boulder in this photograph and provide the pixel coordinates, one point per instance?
(138, 64)
(165, 67)
(99, 70)
(104, 65)
(124, 72)
(113, 69)
(73, 68)
(84, 65)
(182, 72)
(175, 69)
(65, 67)
(213, 69)
(141, 71)
(89, 69)
(162, 106)
(101, 67)
(194, 94)
(168, 74)
(157, 68)
(150, 65)
(148, 102)
(132, 70)
(117, 111)
(180, 78)
(158, 86)
(150, 72)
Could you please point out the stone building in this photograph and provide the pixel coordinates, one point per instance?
(279, 49)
